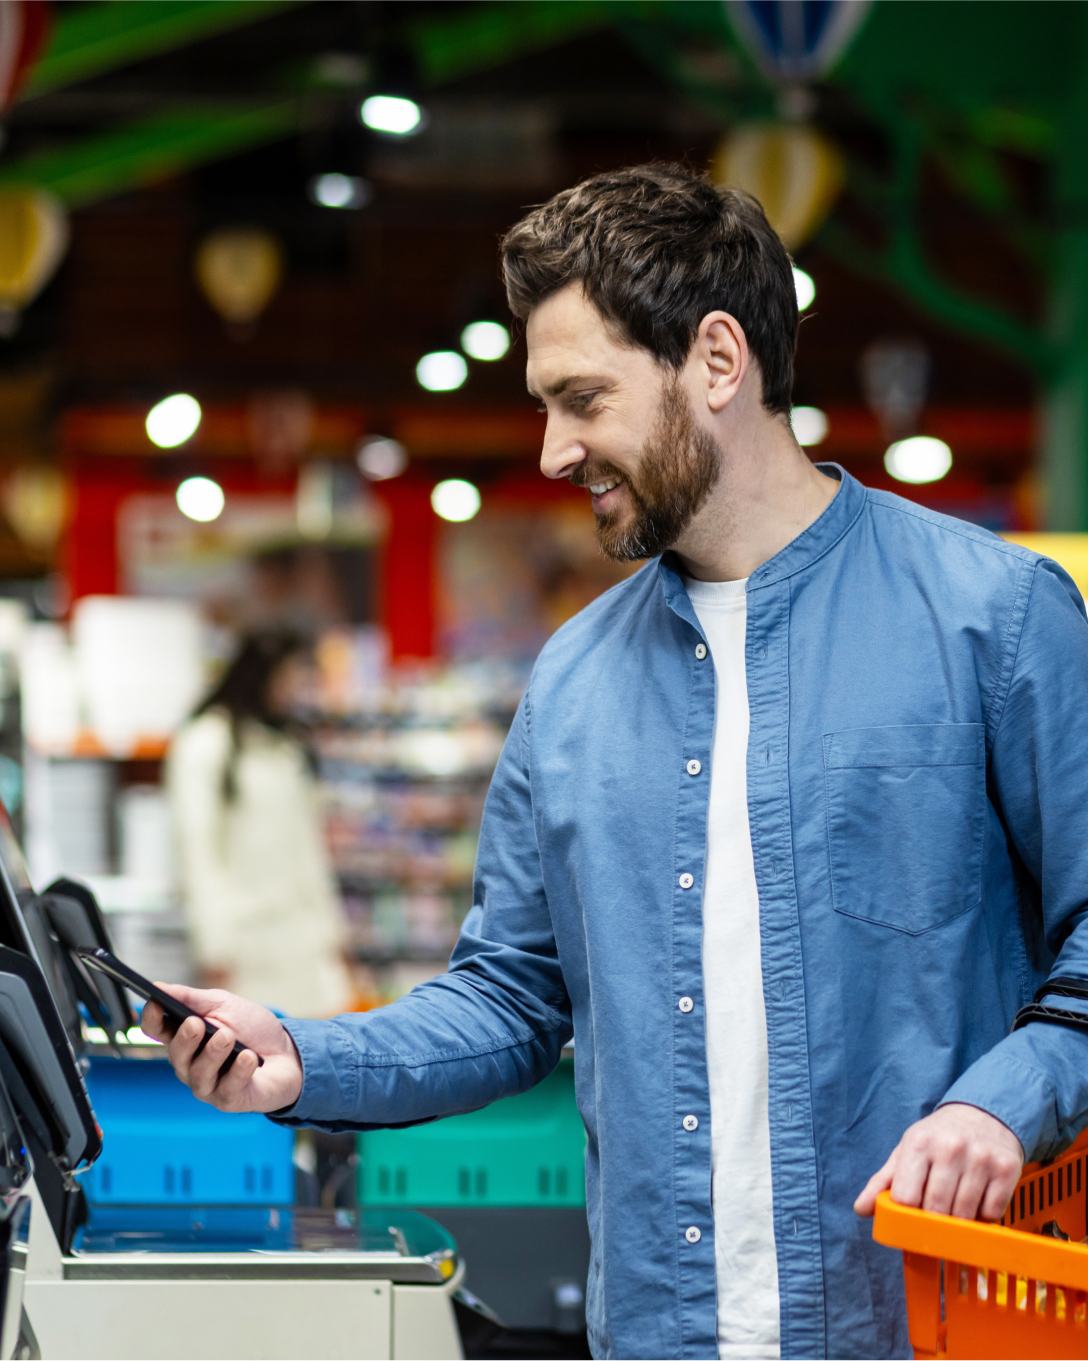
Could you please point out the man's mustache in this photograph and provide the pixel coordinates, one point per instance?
(587, 475)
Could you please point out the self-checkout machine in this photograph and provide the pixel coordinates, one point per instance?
(212, 1286)
(218, 1281)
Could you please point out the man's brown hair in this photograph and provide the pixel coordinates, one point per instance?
(656, 248)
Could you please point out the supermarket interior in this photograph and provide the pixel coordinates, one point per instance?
(277, 559)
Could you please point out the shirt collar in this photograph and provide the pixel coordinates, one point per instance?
(812, 543)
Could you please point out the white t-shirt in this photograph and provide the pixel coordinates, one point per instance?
(736, 1020)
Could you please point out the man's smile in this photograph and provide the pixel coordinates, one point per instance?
(605, 494)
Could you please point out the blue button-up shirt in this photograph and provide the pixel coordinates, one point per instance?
(918, 800)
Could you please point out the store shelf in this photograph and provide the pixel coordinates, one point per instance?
(402, 788)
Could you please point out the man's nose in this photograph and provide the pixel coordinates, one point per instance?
(562, 453)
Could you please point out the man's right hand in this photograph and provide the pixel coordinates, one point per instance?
(246, 1087)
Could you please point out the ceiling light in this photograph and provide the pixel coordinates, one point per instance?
(379, 458)
(441, 371)
(392, 114)
(809, 424)
(173, 420)
(200, 498)
(918, 459)
(806, 288)
(339, 191)
(485, 340)
(455, 500)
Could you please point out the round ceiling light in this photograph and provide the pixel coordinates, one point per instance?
(201, 499)
(340, 191)
(485, 340)
(805, 286)
(173, 420)
(918, 459)
(809, 424)
(392, 114)
(441, 371)
(455, 500)
(379, 458)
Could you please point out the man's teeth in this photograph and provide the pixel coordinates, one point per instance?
(599, 488)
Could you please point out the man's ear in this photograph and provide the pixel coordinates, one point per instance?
(721, 352)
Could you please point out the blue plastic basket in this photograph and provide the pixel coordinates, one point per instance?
(163, 1147)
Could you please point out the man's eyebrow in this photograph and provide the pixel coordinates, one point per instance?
(561, 385)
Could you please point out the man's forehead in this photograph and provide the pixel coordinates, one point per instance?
(569, 342)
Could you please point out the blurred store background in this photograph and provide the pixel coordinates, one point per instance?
(257, 372)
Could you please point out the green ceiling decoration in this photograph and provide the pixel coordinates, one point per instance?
(144, 152)
(489, 35)
(90, 39)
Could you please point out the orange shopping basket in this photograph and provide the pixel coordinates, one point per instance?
(999, 1290)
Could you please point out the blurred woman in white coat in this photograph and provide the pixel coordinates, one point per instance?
(259, 894)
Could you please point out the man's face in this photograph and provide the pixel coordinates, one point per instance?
(620, 425)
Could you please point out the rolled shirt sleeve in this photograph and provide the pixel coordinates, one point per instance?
(493, 1026)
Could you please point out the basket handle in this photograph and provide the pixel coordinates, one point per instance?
(1063, 986)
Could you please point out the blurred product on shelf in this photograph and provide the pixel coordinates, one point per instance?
(403, 780)
(258, 892)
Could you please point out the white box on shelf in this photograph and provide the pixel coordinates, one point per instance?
(50, 691)
(139, 667)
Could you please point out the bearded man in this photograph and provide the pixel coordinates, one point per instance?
(788, 827)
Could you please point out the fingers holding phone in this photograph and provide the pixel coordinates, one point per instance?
(206, 1032)
(246, 1084)
(207, 1063)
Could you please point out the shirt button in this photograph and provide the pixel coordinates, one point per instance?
(693, 1234)
(700, 650)
(691, 1122)
(686, 880)
(694, 767)
(685, 1004)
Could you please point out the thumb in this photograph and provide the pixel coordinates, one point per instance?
(865, 1205)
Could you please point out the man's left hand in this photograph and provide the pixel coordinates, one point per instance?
(959, 1161)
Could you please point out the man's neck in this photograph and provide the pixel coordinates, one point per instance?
(769, 493)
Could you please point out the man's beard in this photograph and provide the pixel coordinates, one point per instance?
(678, 466)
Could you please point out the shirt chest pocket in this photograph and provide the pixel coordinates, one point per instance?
(906, 810)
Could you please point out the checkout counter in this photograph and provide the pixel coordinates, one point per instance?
(172, 1281)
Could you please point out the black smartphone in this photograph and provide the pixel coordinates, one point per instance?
(174, 1011)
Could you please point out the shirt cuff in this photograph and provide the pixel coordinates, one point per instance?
(329, 1077)
(1021, 1081)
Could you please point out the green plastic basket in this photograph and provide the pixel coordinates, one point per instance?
(524, 1150)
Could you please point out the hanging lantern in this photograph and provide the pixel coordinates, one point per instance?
(239, 269)
(797, 40)
(792, 170)
(33, 239)
(23, 28)
(35, 501)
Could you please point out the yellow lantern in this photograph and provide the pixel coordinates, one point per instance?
(239, 269)
(790, 168)
(33, 239)
(35, 501)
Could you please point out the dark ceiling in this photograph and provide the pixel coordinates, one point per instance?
(368, 291)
